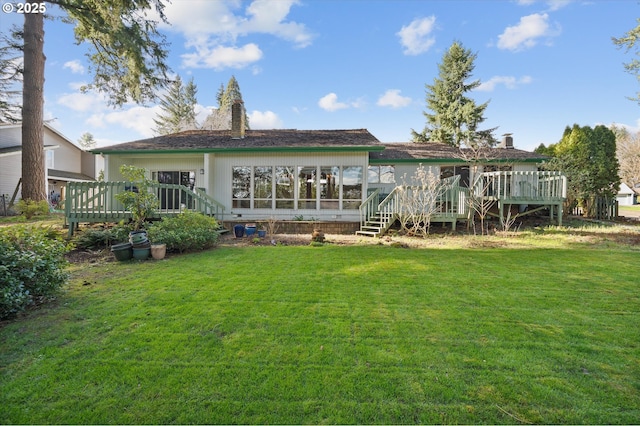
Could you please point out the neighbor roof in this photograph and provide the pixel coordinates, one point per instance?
(439, 152)
(254, 140)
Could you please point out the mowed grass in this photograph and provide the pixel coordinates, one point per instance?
(335, 334)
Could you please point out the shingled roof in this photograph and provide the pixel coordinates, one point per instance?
(437, 152)
(254, 140)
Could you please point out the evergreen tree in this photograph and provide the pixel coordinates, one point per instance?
(628, 42)
(220, 119)
(128, 58)
(178, 108)
(456, 117)
(87, 141)
(10, 78)
(588, 158)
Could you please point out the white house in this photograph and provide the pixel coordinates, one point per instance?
(64, 161)
(626, 196)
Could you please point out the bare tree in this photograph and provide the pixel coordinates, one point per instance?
(628, 153)
(420, 200)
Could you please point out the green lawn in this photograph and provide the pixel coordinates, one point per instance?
(335, 334)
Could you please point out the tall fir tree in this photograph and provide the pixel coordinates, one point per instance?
(456, 117)
(220, 119)
(10, 77)
(178, 108)
(127, 56)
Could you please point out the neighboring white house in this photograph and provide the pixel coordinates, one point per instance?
(626, 196)
(64, 161)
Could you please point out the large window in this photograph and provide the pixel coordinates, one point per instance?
(307, 186)
(263, 188)
(285, 187)
(241, 187)
(381, 174)
(330, 187)
(449, 171)
(351, 187)
(297, 188)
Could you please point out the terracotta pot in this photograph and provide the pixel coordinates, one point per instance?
(158, 251)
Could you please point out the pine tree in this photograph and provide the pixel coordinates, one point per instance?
(87, 141)
(10, 77)
(220, 119)
(128, 58)
(178, 108)
(455, 117)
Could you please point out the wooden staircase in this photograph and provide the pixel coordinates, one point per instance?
(376, 225)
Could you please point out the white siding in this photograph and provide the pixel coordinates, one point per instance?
(10, 172)
(157, 162)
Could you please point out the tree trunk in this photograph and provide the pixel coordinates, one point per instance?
(33, 173)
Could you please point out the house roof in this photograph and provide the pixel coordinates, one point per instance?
(13, 150)
(439, 152)
(254, 140)
(69, 176)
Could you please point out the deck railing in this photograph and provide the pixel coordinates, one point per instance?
(369, 207)
(533, 186)
(97, 202)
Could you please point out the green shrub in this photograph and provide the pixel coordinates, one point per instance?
(185, 232)
(99, 238)
(32, 267)
(30, 208)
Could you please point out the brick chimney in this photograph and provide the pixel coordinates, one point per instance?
(237, 120)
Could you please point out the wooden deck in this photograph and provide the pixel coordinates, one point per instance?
(531, 191)
(87, 202)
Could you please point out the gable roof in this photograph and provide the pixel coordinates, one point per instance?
(254, 140)
(438, 153)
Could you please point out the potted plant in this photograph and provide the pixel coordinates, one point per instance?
(261, 231)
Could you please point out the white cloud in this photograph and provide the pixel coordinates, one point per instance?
(553, 4)
(212, 27)
(220, 57)
(330, 103)
(416, 37)
(137, 118)
(82, 102)
(509, 82)
(264, 120)
(392, 98)
(527, 33)
(75, 66)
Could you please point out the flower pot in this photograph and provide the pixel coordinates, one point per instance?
(238, 231)
(158, 251)
(122, 251)
(141, 253)
(262, 233)
(250, 229)
(137, 237)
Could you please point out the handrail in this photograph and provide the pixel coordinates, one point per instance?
(529, 185)
(98, 199)
(367, 208)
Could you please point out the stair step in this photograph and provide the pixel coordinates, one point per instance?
(368, 233)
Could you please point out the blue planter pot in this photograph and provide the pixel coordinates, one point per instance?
(250, 230)
(238, 231)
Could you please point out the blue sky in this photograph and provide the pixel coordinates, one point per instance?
(343, 64)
